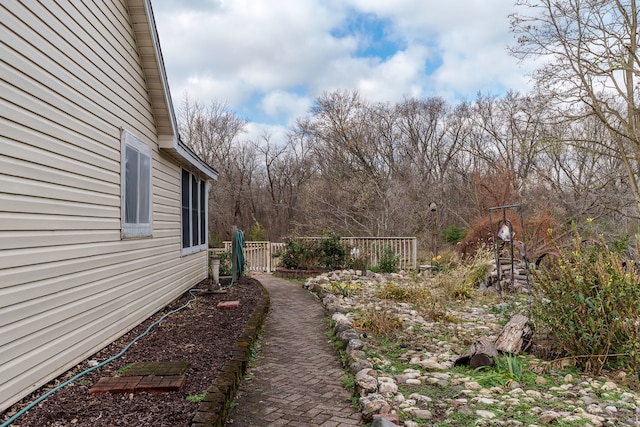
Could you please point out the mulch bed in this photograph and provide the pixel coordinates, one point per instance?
(202, 335)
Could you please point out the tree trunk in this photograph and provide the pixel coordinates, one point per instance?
(481, 353)
(515, 336)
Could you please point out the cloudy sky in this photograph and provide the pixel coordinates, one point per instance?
(269, 59)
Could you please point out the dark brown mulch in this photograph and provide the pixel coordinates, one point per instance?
(202, 334)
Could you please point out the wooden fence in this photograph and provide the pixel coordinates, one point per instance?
(260, 256)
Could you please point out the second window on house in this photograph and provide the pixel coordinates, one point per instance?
(194, 213)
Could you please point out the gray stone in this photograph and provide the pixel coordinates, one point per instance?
(318, 289)
(373, 404)
(431, 365)
(420, 398)
(337, 308)
(423, 414)
(402, 379)
(340, 318)
(387, 387)
(587, 400)
(346, 336)
(382, 422)
(341, 327)
(485, 414)
(365, 383)
(359, 365)
(548, 417)
(355, 344)
(356, 355)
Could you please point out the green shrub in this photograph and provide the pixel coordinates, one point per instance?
(458, 278)
(305, 254)
(215, 241)
(589, 304)
(419, 295)
(332, 253)
(345, 289)
(387, 260)
(382, 323)
(196, 398)
(300, 254)
(256, 233)
(453, 234)
(393, 291)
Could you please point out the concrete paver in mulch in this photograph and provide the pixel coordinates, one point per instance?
(296, 379)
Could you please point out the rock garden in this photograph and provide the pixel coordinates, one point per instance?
(401, 334)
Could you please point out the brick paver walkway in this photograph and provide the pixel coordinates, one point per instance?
(296, 379)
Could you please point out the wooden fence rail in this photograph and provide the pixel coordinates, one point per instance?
(261, 256)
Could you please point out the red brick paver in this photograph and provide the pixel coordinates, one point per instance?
(160, 384)
(138, 384)
(115, 385)
(175, 367)
(228, 304)
(296, 380)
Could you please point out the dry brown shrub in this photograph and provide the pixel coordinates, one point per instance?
(383, 323)
(536, 232)
(495, 188)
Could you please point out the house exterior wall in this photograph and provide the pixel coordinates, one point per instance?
(71, 80)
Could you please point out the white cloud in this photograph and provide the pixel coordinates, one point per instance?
(281, 103)
(402, 75)
(271, 59)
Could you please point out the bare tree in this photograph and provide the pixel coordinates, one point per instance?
(582, 179)
(210, 130)
(213, 132)
(591, 49)
(432, 135)
(287, 169)
(346, 138)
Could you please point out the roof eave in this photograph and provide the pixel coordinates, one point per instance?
(153, 64)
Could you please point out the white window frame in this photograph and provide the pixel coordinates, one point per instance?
(190, 209)
(142, 197)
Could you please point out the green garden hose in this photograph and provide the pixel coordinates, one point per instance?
(237, 261)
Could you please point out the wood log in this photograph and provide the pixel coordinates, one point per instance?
(480, 353)
(515, 336)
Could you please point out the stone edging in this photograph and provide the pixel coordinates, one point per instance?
(213, 410)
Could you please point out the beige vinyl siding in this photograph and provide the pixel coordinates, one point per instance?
(72, 79)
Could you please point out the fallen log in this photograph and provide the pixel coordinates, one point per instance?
(515, 336)
(481, 353)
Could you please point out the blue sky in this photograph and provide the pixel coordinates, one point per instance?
(268, 60)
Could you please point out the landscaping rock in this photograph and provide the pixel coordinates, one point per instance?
(345, 336)
(373, 404)
(359, 365)
(365, 383)
(433, 345)
(380, 420)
